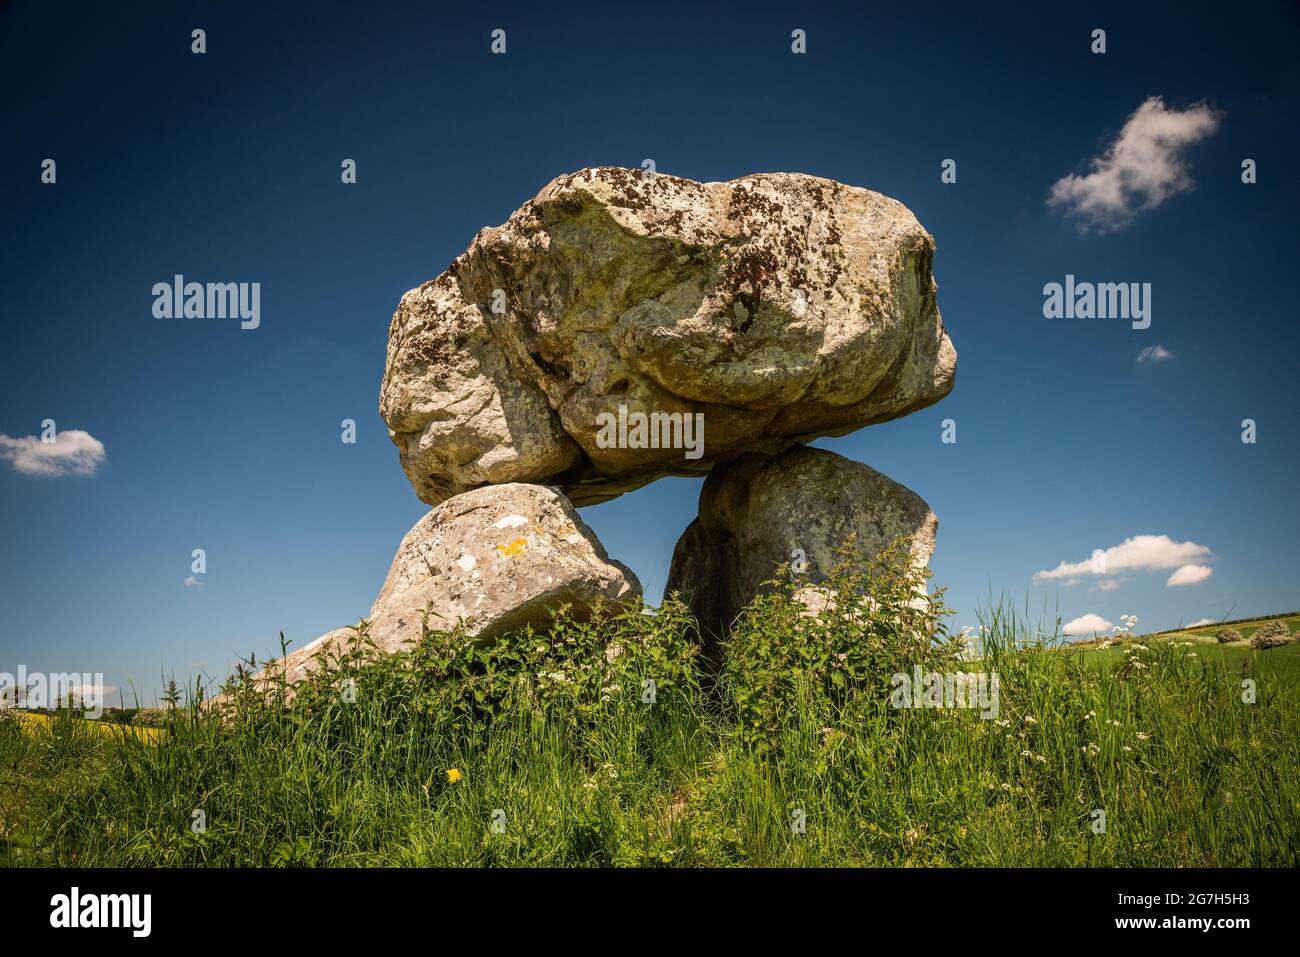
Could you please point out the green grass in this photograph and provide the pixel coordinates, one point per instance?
(1236, 656)
(556, 735)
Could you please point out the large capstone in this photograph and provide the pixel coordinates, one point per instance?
(579, 343)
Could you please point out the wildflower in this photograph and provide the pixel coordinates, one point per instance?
(453, 775)
(1113, 722)
(1026, 754)
(1006, 787)
(1040, 759)
(1090, 714)
(1142, 647)
(1192, 654)
(1030, 719)
(1091, 750)
(1126, 748)
(1142, 737)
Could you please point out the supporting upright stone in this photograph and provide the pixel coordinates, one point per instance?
(802, 505)
(498, 558)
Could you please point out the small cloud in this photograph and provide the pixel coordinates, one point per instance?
(1088, 624)
(1138, 553)
(192, 582)
(1189, 575)
(1204, 621)
(1108, 584)
(1154, 354)
(1140, 170)
(73, 452)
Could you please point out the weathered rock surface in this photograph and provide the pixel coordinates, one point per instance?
(780, 306)
(504, 557)
(1274, 634)
(756, 511)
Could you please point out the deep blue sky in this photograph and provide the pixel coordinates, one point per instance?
(225, 167)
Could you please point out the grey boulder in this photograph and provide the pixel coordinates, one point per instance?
(497, 559)
(800, 507)
(778, 306)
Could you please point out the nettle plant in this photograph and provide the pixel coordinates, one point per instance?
(828, 650)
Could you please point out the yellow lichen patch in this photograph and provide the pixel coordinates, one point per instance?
(514, 548)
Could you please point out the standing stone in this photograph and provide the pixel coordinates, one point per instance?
(778, 306)
(755, 512)
(502, 557)
(505, 556)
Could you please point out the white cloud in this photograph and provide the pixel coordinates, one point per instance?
(1189, 575)
(1204, 621)
(192, 582)
(1088, 624)
(72, 452)
(1139, 553)
(1140, 170)
(1108, 584)
(1154, 354)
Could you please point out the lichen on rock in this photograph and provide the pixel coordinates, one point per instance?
(781, 306)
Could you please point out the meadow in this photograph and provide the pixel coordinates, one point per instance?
(608, 742)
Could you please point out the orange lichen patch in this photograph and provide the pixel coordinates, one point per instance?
(514, 548)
